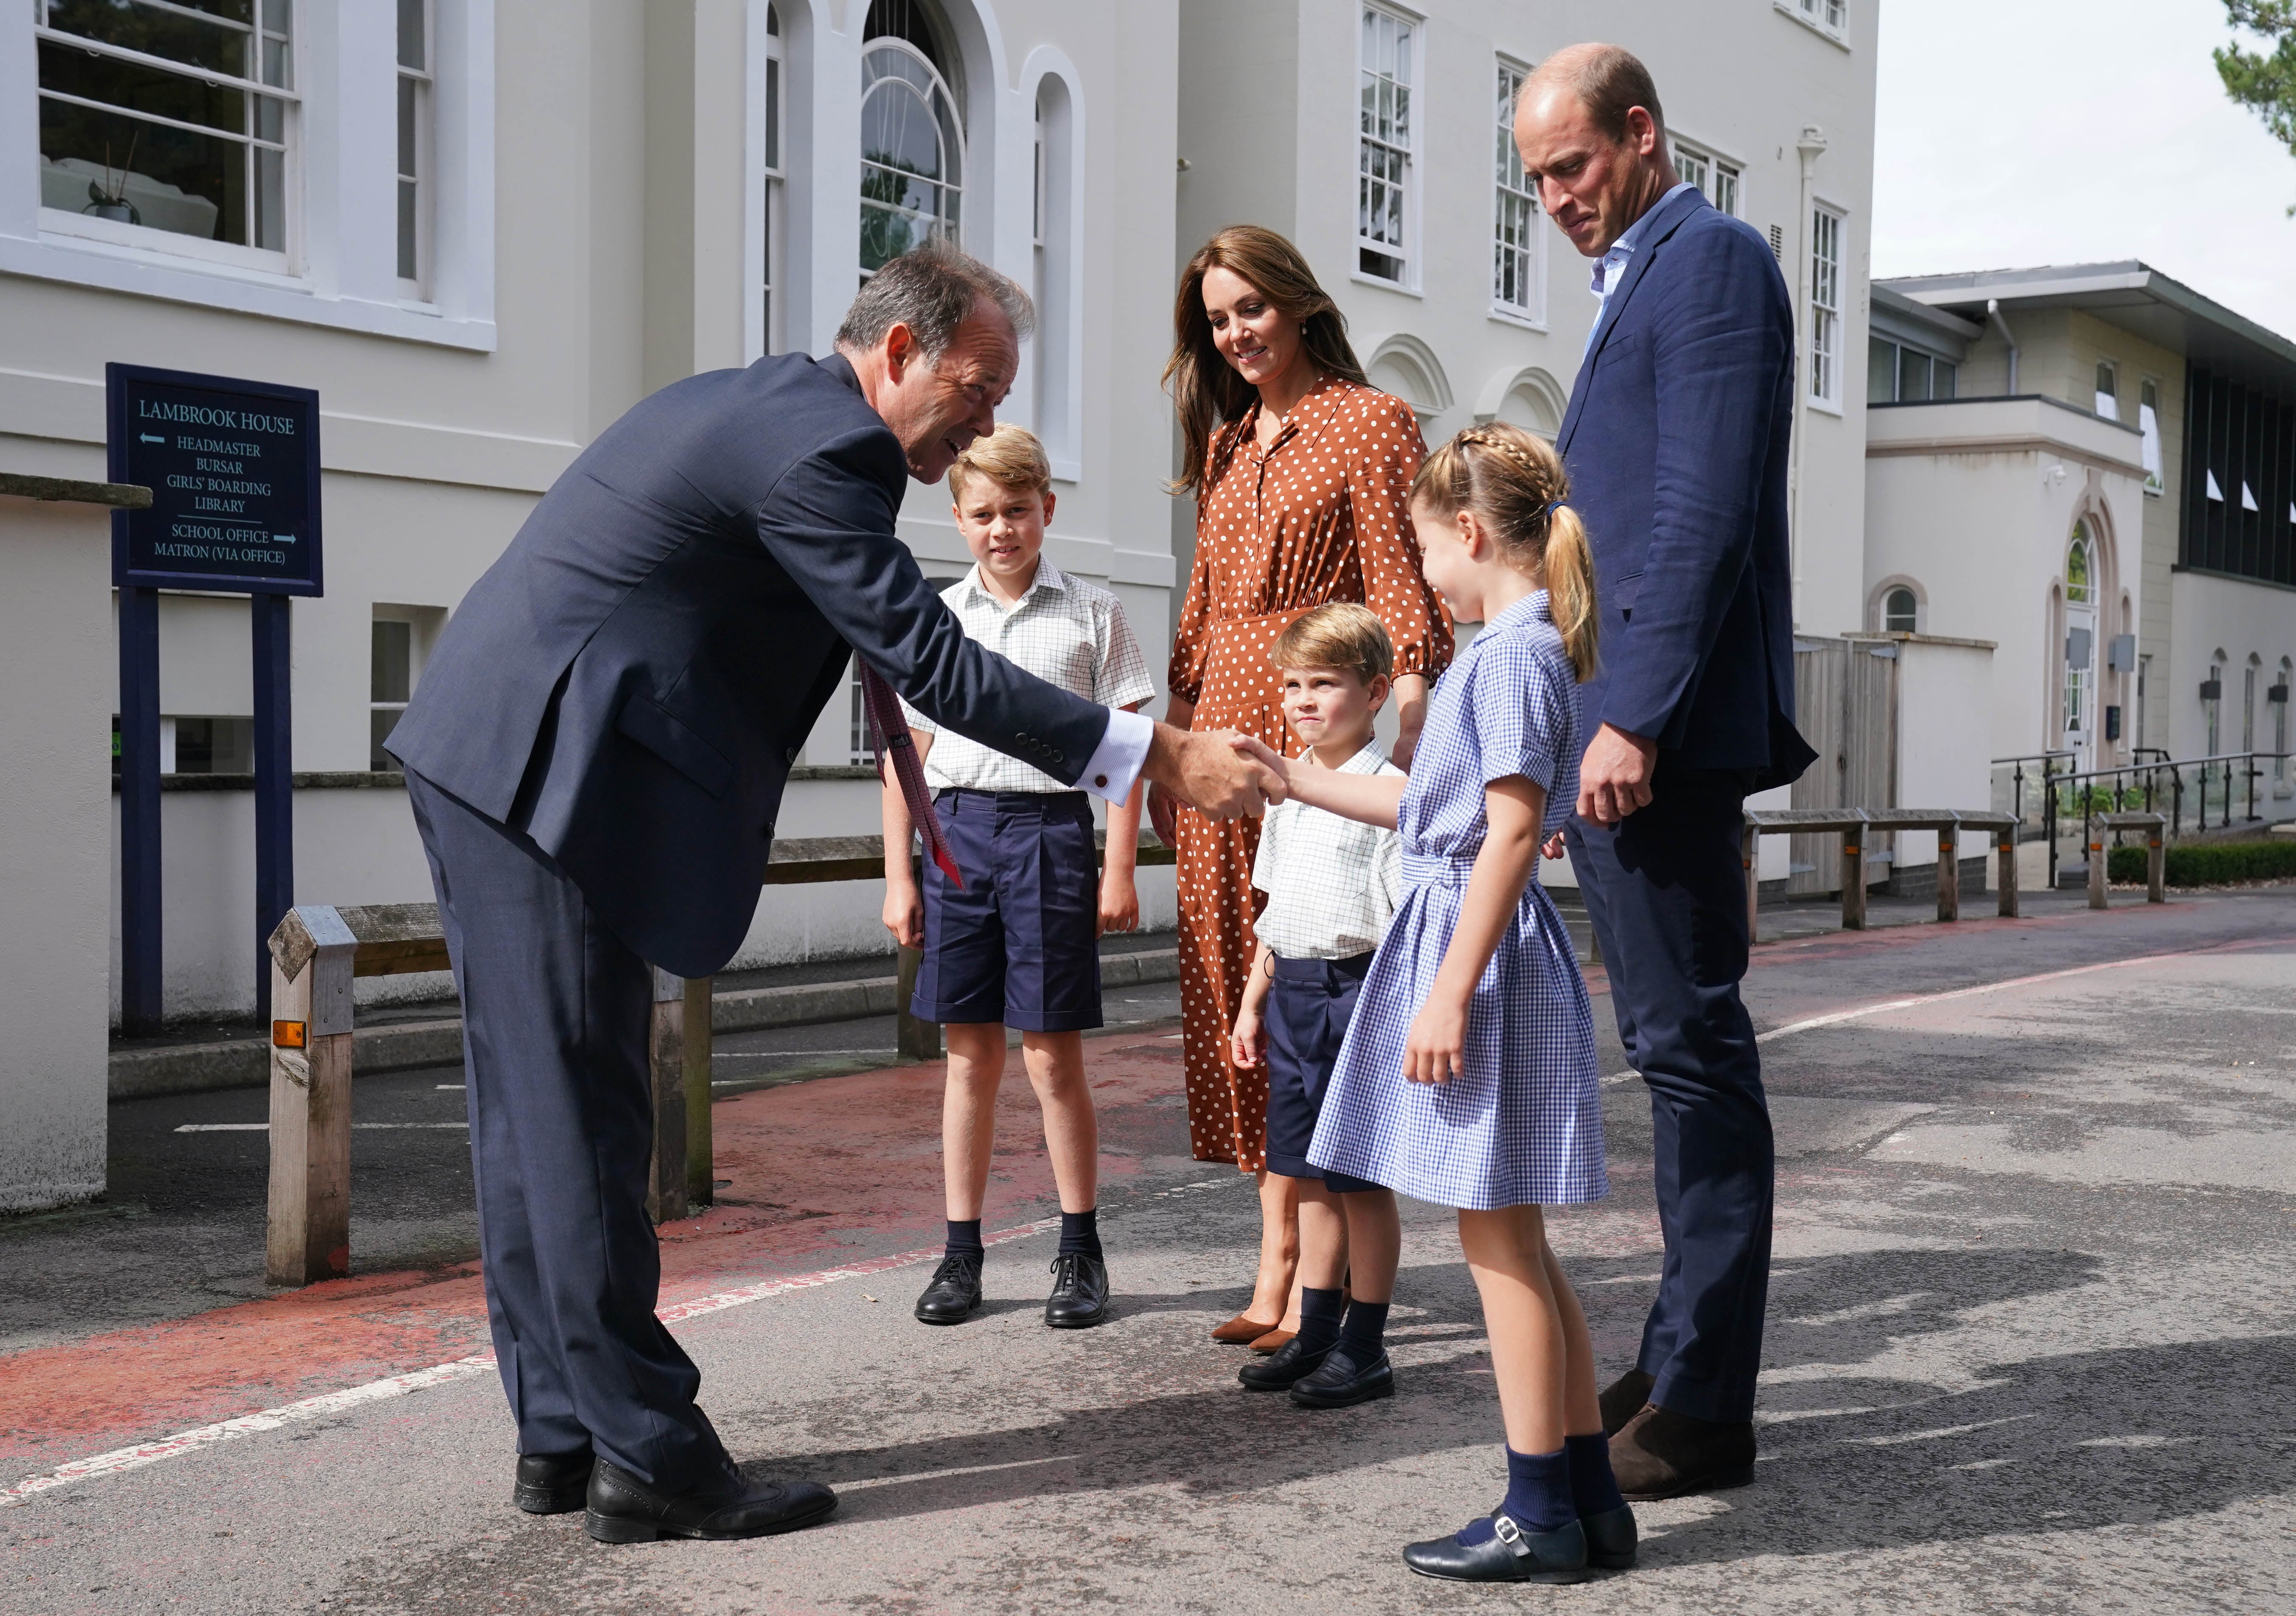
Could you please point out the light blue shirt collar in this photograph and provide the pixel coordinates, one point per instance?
(1611, 268)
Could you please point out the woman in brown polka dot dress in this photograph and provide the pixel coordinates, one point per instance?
(1301, 471)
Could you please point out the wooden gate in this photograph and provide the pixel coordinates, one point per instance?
(1846, 705)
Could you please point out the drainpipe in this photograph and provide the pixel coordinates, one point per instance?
(1810, 145)
(1993, 315)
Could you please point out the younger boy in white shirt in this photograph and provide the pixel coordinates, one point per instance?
(1333, 885)
(1017, 945)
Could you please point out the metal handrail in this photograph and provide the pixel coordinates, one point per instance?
(2080, 789)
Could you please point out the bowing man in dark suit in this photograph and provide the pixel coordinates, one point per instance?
(595, 758)
(1675, 444)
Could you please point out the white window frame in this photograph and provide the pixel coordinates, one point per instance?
(340, 267)
(2108, 405)
(423, 81)
(1511, 185)
(1055, 366)
(1827, 18)
(773, 171)
(1721, 180)
(1827, 362)
(1406, 249)
(2148, 422)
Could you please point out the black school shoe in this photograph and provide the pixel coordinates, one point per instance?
(1612, 1542)
(1339, 1381)
(1079, 1298)
(623, 1509)
(552, 1483)
(954, 1294)
(1510, 1554)
(1281, 1369)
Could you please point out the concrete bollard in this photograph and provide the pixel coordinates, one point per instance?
(2156, 867)
(308, 1226)
(1853, 881)
(1949, 877)
(2097, 888)
(2005, 873)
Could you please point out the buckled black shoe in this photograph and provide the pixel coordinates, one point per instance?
(1079, 1298)
(1509, 1555)
(1612, 1543)
(623, 1509)
(1280, 1368)
(955, 1292)
(552, 1483)
(1339, 1381)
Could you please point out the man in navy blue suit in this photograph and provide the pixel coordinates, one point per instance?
(595, 756)
(1675, 444)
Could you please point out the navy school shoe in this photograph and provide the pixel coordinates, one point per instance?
(1511, 1553)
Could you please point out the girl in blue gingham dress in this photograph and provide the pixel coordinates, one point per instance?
(1467, 1077)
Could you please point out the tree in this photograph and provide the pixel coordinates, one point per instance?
(2265, 84)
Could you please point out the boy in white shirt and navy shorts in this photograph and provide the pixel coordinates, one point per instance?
(1333, 885)
(1017, 944)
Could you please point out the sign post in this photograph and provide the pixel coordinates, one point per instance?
(233, 471)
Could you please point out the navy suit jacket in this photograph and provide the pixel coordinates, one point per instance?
(630, 683)
(1676, 444)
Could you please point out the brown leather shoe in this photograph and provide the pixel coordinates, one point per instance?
(1240, 1331)
(1623, 1398)
(1662, 1455)
(1273, 1340)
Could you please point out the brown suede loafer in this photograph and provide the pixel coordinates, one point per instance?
(1623, 1398)
(1240, 1331)
(1662, 1455)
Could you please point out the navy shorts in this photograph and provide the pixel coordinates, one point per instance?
(1018, 942)
(1306, 1016)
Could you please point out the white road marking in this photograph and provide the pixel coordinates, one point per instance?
(121, 1459)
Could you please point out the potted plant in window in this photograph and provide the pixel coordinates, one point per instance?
(109, 200)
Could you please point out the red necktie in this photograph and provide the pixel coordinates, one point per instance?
(889, 732)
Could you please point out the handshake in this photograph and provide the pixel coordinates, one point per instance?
(1219, 773)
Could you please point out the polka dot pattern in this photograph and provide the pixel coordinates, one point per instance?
(1322, 514)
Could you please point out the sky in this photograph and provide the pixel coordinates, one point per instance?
(2012, 133)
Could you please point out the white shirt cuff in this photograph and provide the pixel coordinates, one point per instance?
(1115, 765)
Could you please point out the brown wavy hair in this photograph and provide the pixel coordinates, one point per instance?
(1206, 389)
(1515, 483)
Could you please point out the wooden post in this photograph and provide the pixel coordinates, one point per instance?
(1853, 880)
(2097, 887)
(1948, 873)
(666, 1064)
(2156, 865)
(1750, 853)
(308, 1226)
(915, 1039)
(2007, 875)
(700, 1148)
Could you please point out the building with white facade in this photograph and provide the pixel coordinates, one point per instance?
(481, 229)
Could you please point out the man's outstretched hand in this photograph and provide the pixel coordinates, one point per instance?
(1203, 769)
(1614, 777)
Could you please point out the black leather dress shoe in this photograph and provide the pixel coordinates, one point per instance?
(1280, 1368)
(1623, 1398)
(1079, 1298)
(552, 1483)
(1510, 1554)
(1662, 1455)
(1612, 1541)
(1339, 1381)
(953, 1294)
(623, 1509)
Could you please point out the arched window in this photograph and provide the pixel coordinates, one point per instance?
(1056, 376)
(2081, 641)
(912, 134)
(1900, 610)
(2212, 701)
(774, 290)
(2275, 697)
(2079, 587)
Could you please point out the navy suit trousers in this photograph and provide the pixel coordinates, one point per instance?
(1666, 890)
(554, 1022)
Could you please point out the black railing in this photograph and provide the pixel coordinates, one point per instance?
(2214, 791)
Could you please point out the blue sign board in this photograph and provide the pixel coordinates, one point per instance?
(233, 471)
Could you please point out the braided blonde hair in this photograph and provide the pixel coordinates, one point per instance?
(1515, 484)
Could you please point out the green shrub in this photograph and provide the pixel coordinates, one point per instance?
(2208, 865)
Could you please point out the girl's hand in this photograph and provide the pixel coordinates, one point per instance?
(1248, 1041)
(1436, 1050)
(1551, 847)
(1119, 902)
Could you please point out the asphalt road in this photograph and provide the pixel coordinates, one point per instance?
(2032, 1339)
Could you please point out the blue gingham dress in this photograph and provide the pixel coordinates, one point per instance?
(1524, 1124)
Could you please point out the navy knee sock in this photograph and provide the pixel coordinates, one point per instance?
(1319, 1318)
(1363, 1334)
(1081, 1235)
(964, 1239)
(1539, 1494)
(1592, 1488)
